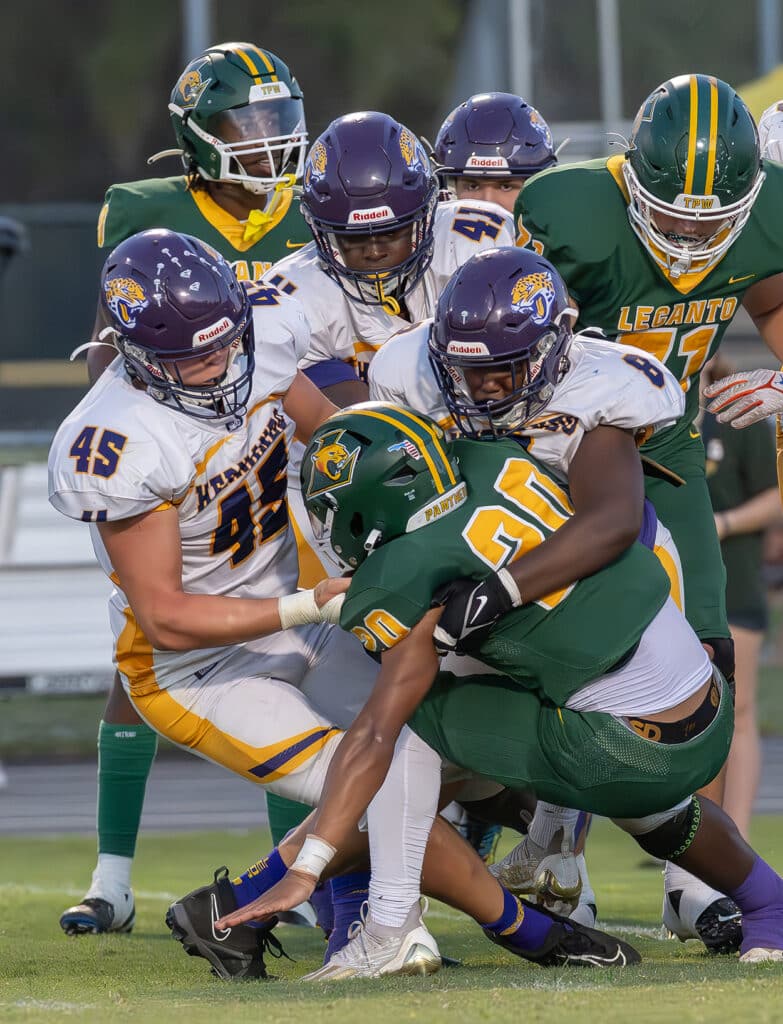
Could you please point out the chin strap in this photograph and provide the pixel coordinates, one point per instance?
(96, 344)
(258, 221)
(163, 154)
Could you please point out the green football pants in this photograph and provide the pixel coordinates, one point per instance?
(587, 760)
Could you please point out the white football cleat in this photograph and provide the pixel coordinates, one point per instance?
(367, 955)
(759, 955)
(585, 911)
(700, 912)
(547, 876)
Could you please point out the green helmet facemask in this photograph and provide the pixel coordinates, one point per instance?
(374, 472)
(238, 116)
(693, 156)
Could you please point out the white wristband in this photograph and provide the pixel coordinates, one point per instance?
(510, 586)
(298, 609)
(314, 856)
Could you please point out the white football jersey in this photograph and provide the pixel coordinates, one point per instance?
(342, 328)
(601, 386)
(120, 453)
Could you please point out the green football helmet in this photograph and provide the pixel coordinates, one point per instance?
(373, 472)
(237, 105)
(693, 156)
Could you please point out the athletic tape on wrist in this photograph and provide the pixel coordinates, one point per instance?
(314, 856)
(298, 609)
(510, 586)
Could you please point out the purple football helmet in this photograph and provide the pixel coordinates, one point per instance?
(505, 311)
(369, 174)
(494, 135)
(171, 298)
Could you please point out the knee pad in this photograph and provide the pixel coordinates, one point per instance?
(670, 839)
(723, 659)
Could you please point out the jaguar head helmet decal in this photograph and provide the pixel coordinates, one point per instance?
(125, 298)
(534, 294)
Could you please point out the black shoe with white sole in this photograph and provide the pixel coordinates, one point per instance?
(569, 944)
(234, 953)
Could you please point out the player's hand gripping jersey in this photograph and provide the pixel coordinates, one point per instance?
(354, 332)
(120, 454)
(623, 388)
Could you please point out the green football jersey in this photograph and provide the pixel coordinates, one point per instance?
(250, 247)
(577, 217)
(554, 645)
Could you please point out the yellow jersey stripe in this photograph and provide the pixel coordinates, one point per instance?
(102, 225)
(201, 466)
(409, 433)
(713, 136)
(693, 129)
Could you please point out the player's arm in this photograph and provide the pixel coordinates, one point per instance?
(357, 769)
(146, 553)
(363, 757)
(606, 484)
(306, 406)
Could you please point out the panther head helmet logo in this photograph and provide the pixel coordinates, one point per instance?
(332, 464)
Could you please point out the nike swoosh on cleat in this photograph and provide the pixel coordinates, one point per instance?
(215, 915)
(723, 918)
(618, 960)
(482, 601)
(744, 277)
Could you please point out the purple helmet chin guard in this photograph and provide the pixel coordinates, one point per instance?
(368, 174)
(505, 311)
(171, 298)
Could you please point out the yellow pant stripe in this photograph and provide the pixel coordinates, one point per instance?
(670, 567)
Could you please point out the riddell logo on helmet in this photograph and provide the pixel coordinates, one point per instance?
(203, 337)
(467, 348)
(486, 161)
(371, 216)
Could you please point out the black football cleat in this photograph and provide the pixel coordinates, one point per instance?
(570, 944)
(718, 925)
(95, 916)
(234, 953)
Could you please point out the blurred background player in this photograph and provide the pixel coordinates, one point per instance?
(743, 487)
(239, 122)
(489, 146)
(687, 233)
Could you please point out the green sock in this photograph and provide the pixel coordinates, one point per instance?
(284, 815)
(125, 756)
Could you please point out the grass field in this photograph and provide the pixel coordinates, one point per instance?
(147, 977)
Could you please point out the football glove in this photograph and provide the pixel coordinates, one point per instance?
(470, 609)
(771, 132)
(744, 398)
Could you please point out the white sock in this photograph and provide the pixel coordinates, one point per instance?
(111, 877)
(675, 878)
(547, 820)
(399, 820)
